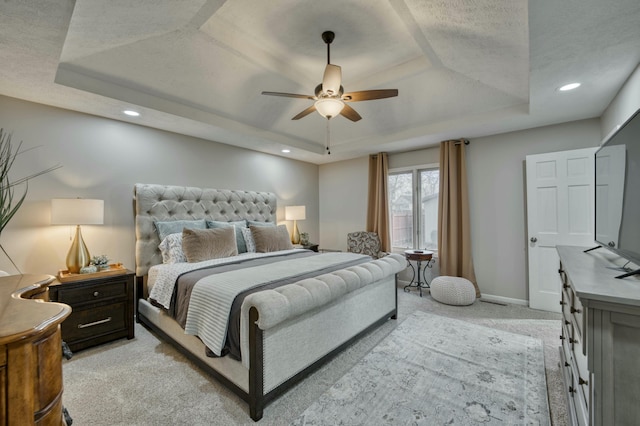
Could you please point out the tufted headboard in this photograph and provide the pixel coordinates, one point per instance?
(163, 203)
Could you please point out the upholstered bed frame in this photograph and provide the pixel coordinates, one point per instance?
(322, 315)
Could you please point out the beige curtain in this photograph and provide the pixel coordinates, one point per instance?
(378, 202)
(454, 231)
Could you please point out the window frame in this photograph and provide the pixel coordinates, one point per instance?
(416, 198)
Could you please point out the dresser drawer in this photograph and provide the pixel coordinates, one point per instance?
(566, 304)
(577, 311)
(580, 405)
(48, 364)
(87, 323)
(78, 295)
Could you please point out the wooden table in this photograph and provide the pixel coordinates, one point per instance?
(418, 280)
(30, 352)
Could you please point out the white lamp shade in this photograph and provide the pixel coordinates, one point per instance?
(329, 107)
(77, 211)
(294, 213)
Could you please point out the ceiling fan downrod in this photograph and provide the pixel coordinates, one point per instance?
(328, 37)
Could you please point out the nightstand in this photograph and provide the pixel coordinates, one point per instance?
(311, 246)
(102, 309)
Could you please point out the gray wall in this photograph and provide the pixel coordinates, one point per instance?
(626, 102)
(104, 158)
(343, 201)
(497, 196)
(497, 192)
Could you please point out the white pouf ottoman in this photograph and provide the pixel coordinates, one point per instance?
(453, 290)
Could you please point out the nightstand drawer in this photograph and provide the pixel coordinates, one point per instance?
(92, 292)
(96, 321)
(102, 309)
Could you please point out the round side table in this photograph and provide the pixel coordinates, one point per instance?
(419, 256)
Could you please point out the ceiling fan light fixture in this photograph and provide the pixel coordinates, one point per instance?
(329, 107)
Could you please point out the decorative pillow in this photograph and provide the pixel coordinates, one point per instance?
(204, 244)
(239, 225)
(271, 238)
(256, 223)
(248, 239)
(171, 249)
(175, 226)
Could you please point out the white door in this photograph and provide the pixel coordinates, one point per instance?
(560, 211)
(610, 168)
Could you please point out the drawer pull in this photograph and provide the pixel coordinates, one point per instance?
(571, 389)
(96, 294)
(565, 286)
(566, 322)
(562, 337)
(581, 381)
(575, 311)
(566, 364)
(562, 303)
(572, 340)
(91, 324)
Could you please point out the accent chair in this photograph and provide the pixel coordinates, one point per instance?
(363, 242)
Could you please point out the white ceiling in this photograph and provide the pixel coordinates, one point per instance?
(463, 68)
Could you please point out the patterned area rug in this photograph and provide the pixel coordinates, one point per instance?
(436, 370)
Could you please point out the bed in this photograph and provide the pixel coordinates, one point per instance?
(304, 309)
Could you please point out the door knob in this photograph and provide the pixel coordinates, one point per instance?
(533, 239)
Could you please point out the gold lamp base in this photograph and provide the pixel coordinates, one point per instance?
(295, 235)
(78, 256)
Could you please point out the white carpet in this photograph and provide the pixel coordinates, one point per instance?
(437, 370)
(145, 381)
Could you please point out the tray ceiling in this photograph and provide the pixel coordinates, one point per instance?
(463, 68)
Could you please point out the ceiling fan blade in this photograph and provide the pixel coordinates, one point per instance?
(289, 95)
(369, 95)
(331, 80)
(350, 113)
(305, 112)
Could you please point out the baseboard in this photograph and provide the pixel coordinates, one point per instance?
(500, 299)
(485, 297)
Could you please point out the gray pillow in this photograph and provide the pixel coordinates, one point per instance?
(204, 244)
(271, 238)
(175, 226)
(242, 246)
(256, 223)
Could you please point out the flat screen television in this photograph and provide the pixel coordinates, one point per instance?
(617, 192)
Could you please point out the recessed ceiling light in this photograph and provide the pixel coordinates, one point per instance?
(286, 151)
(569, 86)
(131, 113)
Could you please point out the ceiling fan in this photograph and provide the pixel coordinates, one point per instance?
(330, 99)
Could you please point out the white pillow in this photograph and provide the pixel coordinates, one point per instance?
(248, 240)
(171, 249)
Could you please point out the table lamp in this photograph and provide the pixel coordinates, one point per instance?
(77, 211)
(295, 213)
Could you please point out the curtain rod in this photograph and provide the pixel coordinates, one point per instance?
(466, 142)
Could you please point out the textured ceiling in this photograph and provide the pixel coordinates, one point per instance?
(463, 68)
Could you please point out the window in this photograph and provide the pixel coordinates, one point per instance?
(413, 207)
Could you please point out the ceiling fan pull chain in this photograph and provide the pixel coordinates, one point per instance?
(328, 142)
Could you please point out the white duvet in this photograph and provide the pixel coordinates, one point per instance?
(162, 278)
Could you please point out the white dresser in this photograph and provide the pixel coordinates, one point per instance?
(600, 341)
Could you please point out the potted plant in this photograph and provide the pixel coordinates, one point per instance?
(304, 238)
(9, 202)
(101, 262)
